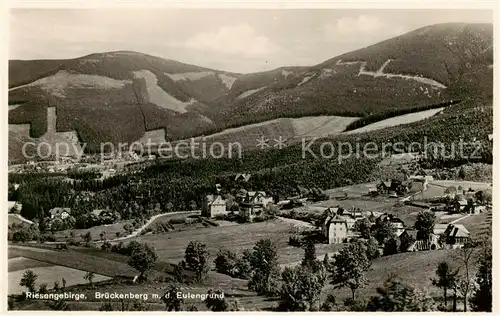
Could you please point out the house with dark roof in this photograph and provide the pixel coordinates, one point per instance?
(335, 229)
(456, 236)
(60, 212)
(213, 205)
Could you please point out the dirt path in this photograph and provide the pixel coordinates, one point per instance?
(151, 220)
(380, 73)
(296, 222)
(460, 218)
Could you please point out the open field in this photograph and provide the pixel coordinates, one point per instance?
(171, 246)
(110, 230)
(21, 263)
(431, 192)
(74, 260)
(50, 274)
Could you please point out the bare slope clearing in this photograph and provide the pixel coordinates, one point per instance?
(62, 80)
(397, 120)
(288, 129)
(227, 80)
(380, 73)
(159, 96)
(191, 76)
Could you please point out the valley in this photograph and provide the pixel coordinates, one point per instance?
(328, 205)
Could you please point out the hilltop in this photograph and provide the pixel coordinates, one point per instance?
(119, 96)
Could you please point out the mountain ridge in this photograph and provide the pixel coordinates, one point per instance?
(95, 92)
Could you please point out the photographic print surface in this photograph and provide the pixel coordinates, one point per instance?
(250, 159)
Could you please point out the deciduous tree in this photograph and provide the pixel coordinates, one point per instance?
(29, 280)
(350, 266)
(143, 259)
(197, 258)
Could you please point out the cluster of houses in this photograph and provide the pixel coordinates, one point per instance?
(251, 204)
(339, 227)
(395, 188)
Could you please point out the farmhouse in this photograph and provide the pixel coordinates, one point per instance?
(213, 205)
(335, 229)
(456, 236)
(14, 207)
(60, 212)
(396, 223)
(459, 206)
(253, 203)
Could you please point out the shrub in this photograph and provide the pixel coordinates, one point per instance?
(220, 217)
(106, 246)
(295, 240)
(225, 261)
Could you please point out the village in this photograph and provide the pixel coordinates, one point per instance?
(337, 224)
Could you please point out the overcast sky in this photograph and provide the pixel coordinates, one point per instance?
(232, 40)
